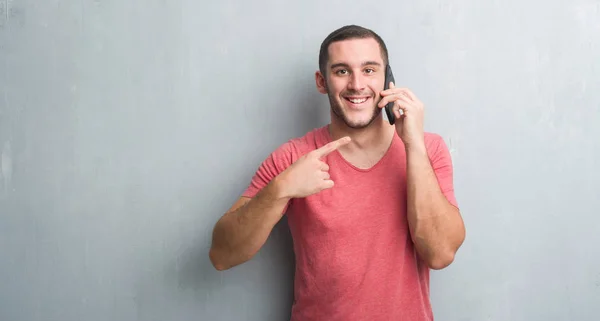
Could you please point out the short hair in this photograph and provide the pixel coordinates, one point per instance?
(345, 33)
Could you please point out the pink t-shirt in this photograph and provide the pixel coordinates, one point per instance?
(355, 259)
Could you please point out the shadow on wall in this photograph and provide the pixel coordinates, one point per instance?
(305, 109)
(197, 272)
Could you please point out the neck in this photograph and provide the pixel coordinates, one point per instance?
(374, 137)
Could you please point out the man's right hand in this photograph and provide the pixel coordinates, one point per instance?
(309, 174)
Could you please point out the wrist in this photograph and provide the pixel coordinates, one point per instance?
(278, 189)
(415, 147)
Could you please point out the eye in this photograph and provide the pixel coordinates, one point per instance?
(369, 70)
(342, 72)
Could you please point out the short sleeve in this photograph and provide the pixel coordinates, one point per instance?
(273, 165)
(441, 162)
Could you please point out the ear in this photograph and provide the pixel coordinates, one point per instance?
(321, 82)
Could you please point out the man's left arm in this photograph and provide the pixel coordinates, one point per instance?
(436, 226)
(435, 223)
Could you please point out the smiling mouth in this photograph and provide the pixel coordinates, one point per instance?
(356, 101)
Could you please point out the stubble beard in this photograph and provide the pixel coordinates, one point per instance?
(339, 113)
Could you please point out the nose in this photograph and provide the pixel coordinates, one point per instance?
(356, 82)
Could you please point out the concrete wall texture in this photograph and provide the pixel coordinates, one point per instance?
(127, 128)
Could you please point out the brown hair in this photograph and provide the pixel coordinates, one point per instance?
(345, 33)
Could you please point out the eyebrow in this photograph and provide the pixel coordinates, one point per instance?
(366, 63)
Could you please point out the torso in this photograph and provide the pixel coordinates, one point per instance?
(354, 256)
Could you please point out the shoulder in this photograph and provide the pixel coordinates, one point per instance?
(434, 142)
(295, 147)
(437, 149)
(284, 156)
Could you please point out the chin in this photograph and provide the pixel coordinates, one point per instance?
(360, 120)
(355, 115)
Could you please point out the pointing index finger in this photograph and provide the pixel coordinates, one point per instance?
(330, 147)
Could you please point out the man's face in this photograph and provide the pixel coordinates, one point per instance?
(355, 77)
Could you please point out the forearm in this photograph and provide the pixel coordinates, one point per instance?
(436, 226)
(240, 234)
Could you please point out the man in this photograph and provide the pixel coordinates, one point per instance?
(370, 205)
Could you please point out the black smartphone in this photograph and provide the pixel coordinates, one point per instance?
(389, 77)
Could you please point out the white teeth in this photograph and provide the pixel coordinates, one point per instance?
(358, 101)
